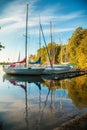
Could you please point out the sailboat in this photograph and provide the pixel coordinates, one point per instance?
(14, 69)
(53, 68)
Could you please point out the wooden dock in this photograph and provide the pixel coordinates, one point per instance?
(70, 73)
(80, 71)
(66, 74)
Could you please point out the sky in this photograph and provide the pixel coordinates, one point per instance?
(65, 16)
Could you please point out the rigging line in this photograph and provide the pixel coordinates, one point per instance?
(52, 53)
(45, 104)
(60, 40)
(51, 32)
(46, 45)
(26, 34)
(39, 35)
(46, 101)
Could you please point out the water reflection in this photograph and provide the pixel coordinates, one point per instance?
(36, 102)
(77, 90)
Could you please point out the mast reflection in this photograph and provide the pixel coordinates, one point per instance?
(47, 100)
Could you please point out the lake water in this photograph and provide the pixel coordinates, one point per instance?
(36, 103)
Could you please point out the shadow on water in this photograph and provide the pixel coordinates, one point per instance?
(1, 126)
(51, 106)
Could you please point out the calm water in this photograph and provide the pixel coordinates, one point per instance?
(35, 103)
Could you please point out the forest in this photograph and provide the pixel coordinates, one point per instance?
(74, 52)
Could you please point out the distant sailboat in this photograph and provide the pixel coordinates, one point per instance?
(23, 70)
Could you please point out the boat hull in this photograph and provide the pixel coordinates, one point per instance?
(55, 70)
(24, 71)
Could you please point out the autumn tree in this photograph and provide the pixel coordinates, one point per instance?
(77, 45)
(81, 51)
(75, 51)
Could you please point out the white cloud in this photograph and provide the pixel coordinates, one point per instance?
(14, 16)
(64, 29)
(70, 16)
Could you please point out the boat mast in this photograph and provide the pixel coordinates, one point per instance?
(51, 52)
(39, 36)
(26, 34)
(61, 60)
(51, 31)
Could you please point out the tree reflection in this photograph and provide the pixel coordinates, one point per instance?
(77, 90)
(48, 102)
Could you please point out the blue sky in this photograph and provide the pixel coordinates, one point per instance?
(65, 15)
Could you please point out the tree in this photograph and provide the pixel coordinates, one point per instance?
(77, 48)
(75, 51)
(81, 51)
(1, 46)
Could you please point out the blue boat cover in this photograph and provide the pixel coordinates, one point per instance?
(36, 62)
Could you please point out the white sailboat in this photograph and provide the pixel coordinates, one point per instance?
(54, 68)
(23, 70)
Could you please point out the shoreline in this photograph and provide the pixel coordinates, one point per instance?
(78, 123)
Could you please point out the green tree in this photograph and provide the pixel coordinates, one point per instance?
(73, 43)
(75, 51)
(1, 46)
(81, 51)
(77, 45)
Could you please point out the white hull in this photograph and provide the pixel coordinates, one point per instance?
(24, 71)
(55, 70)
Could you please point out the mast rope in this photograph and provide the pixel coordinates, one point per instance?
(46, 46)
